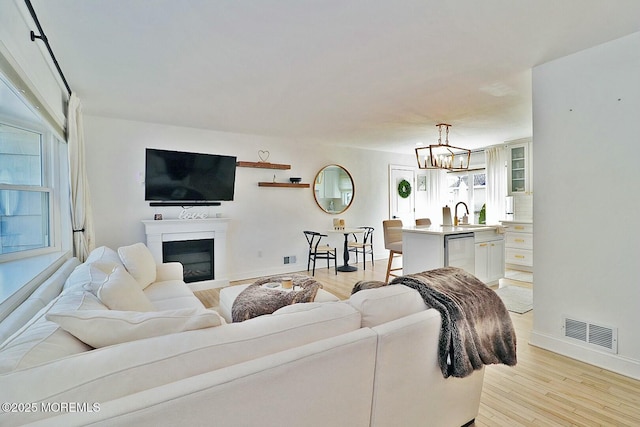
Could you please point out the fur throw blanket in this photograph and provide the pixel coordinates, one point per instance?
(476, 327)
(257, 300)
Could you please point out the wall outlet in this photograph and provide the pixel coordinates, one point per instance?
(290, 259)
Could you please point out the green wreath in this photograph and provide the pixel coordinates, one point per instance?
(404, 189)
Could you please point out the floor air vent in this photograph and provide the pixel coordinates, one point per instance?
(603, 337)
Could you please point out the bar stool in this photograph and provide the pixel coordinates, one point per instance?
(423, 222)
(392, 242)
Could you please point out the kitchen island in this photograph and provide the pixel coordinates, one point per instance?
(477, 249)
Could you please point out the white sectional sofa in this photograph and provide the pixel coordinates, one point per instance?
(367, 361)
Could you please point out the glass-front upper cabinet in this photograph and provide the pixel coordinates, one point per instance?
(519, 168)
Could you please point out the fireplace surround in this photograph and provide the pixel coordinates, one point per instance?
(179, 230)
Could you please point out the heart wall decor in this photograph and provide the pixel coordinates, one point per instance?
(264, 155)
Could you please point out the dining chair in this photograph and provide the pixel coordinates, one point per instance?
(392, 242)
(423, 221)
(365, 245)
(317, 251)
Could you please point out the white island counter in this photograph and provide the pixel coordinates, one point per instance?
(477, 249)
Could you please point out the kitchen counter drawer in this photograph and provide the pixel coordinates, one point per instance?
(519, 240)
(518, 227)
(519, 257)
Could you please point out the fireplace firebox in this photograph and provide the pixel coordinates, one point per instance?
(196, 257)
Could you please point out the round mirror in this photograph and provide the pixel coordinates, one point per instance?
(333, 189)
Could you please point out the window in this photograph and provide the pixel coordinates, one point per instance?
(25, 208)
(33, 181)
(468, 187)
(35, 219)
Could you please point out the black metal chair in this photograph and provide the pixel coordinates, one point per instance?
(364, 246)
(317, 251)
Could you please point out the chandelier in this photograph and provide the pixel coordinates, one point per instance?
(443, 156)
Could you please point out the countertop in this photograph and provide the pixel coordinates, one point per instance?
(513, 221)
(448, 229)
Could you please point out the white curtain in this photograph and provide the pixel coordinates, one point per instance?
(81, 216)
(496, 160)
(436, 195)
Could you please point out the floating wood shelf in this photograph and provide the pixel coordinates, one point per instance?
(283, 184)
(263, 165)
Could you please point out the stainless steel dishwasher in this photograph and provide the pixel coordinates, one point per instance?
(459, 251)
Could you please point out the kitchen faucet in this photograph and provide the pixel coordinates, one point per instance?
(455, 215)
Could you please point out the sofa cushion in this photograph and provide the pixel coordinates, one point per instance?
(42, 296)
(386, 303)
(120, 291)
(41, 340)
(171, 294)
(138, 260)
(100, 328)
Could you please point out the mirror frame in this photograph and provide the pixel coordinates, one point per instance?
(353, 189)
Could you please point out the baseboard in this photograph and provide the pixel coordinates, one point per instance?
(273, 271)
(611, 362)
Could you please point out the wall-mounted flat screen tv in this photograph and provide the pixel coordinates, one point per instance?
(175, 176)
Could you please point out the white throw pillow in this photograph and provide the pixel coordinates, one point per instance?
(139, 262)
(81, 275)
(103, 254)
(120, 291)
(101, 328)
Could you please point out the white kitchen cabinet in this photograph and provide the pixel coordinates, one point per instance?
(489, 260)
(519, 245)
(519, 171)
(427, 248)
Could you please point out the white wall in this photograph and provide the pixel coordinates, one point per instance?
(586, 143)
(269, 221)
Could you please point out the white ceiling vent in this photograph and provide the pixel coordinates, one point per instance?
(602, 337)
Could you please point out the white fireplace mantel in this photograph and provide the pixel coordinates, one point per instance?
(172, 230)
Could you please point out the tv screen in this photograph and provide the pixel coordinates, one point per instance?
(174, 176)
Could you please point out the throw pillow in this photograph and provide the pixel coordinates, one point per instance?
(120, 291)
(81, 275)
(101, 328)
(139, 262)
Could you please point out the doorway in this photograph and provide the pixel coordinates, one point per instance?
(402, 183)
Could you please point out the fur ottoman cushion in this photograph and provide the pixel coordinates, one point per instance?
(257, 300)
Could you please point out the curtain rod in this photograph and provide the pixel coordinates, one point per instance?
(43, 37)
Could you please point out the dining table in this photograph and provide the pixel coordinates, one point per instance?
(345, 257)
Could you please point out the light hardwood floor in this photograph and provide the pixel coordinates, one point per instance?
(543, 389)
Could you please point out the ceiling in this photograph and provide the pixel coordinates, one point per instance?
(378, 74)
